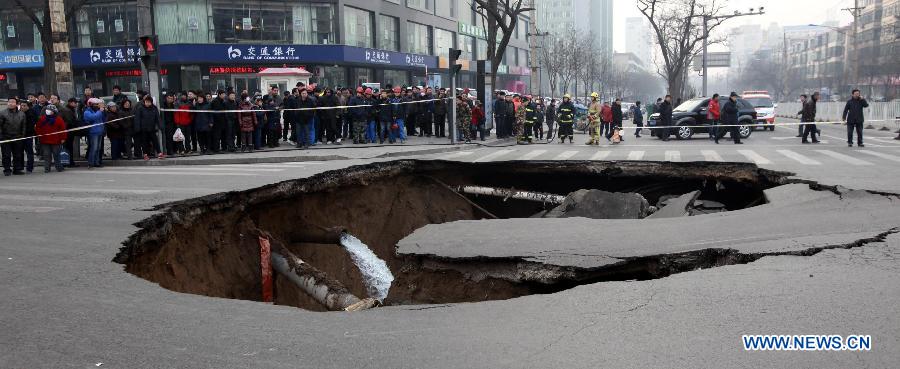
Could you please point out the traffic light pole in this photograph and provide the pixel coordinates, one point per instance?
(452, 122)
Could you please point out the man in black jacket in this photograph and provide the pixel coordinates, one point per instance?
(808, 115)
(231, 127)
(729, 118)
(550, 114)
(500, 115)
(617, 117)
(853, 116)
(440, 114)
(665, 118)
(219, 122)
(329, 118)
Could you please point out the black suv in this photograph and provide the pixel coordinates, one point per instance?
(692, 113)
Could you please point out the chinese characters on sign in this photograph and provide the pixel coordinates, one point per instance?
(115, 55)
(378, 56)
(21, 59)
(256, 52)
(413, 59)
(233, 70)
(474, 31)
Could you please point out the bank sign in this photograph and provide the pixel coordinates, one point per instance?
(262, 53)
(103, 56)
(21, 59)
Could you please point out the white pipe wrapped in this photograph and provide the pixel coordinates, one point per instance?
(513, 194)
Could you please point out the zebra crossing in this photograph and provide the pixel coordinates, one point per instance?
(862, 158)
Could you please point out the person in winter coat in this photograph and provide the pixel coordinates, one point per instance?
(12, 126)
(808, 115)
(52, 129)
(617, 118)
(550, 118)
(441, 109)
(231, 127)
(203, 124)
(665, 118)
(95, 117)
(853, 116)
(566, 115)
(260, 134)
(730, 118)
(638, 118)
(220, 122)
(115, 131)
(304, 119)
(412, 112)
(70, 117)
(184, 121)
(146, 122)
(167, 125)
(247, 124)
(478, 118)
(329, 117)
(360, 115)
(713, 114)
(606, 120)
(499, 110)
(426, 113)
(463, 117)
(539, 121)
(126, 112)
(531, 113)
(399, 111)
(273, 124)
(595, 117)
(32, 112)
(384, 116)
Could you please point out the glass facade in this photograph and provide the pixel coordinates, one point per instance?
(388, 29)
(17, 32)
(358, 30)
(467, 45)
(480, 49)
(334, 76)
(443, 41)
(418, 38)
(423, 5)
(362, 75)
(395, 78)
(109, 24)
(205, 21)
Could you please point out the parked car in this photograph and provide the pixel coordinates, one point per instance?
(765, 108)
(692, 113)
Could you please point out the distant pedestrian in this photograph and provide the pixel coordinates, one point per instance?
(12, 127)
(665, 118)
(730, 119)
(617, 117)
(713, 113)
(146, 124)
(95, 117)
(808, 115)
(247, 122)
(52, 130)
(853, 116)
(800, 113)
(478, 120)
(550, 116)
(638, 118)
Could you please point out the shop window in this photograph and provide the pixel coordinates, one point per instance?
(358, 27)
(388, 29)
(418, 38)
(395, 78)
(18, 32)
(108, 24)
(251, 21)
(314, 24)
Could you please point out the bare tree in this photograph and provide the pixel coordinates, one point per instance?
(502, 16)
(38, 11)
(590, 63)
(678, 25)
(553, 58)
(572, 58)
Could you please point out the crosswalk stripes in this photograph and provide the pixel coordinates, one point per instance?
(565, 155)
(754, 157)
(710, 155)
(163, 172)
(636, 155)
(456, 155)
(492, 156)
(532, 154)
(844, 158)
(27, 209)
(79, 190)
(673, 155)
(802, 159)
(45, 199)
(194, 168)
(881, 155)
(600, 155)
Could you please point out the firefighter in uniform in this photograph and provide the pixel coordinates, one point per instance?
(594, 119)
(531, 112)
(566, 116)
(463, 117)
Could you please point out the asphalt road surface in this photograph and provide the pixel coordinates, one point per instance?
(64, 304)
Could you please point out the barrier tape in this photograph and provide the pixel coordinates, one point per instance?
(302, 109)
(65, 131)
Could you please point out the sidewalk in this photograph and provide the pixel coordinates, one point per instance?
(321, 152)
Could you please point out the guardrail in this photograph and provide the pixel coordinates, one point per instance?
(882, 114)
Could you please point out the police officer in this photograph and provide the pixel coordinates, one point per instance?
(566, 115)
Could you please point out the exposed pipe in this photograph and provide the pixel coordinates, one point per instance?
(511, 193)
(317, 234)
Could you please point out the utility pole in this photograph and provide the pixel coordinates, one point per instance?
(532, 48)
(720, 18)
(856, 11)
(62, 59)
(150, 63)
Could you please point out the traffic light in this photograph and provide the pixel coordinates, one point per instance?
(454, 56)
(149, 45)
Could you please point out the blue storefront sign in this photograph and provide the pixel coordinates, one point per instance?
(19, 59)
(106, 56)
(251, 53)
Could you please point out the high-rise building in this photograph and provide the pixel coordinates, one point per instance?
(601, 12)
(558, 16)
(638, 38)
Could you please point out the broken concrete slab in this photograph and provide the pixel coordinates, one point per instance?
(708, 204)
(677, 207)
(598, 204)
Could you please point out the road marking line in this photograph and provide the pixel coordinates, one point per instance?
(492, 156)
(844, 158)
(95, 172)
(54, 198)
(711, 155)
(881, 155)
(532, 154)
(754, 157)
(456, 155)
(80, 190)
(28, 209)
(798, 157)
(600, 155)
(673, 155)
(636, 155)
(565, 155)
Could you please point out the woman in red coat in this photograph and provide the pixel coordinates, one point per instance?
(478, 120)
(713, 112)
(52, 129)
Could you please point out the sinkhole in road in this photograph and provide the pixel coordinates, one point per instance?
(210, 245)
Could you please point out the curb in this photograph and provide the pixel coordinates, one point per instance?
(211, 160)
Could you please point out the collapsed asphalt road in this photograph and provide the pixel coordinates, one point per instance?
(690, 319)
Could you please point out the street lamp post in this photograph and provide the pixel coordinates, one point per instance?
(720, 18)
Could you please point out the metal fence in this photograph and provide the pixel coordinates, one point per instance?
(878, 113)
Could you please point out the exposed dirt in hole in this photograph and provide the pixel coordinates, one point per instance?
(202, 245)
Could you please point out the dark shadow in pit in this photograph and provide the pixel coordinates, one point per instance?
(203, 245)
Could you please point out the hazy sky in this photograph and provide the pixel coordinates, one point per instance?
(783, 12)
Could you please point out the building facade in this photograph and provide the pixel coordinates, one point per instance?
(219, 44)
(638, 40)
(559, 16)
